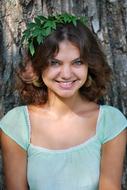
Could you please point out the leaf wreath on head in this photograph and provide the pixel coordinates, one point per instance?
(42, 26)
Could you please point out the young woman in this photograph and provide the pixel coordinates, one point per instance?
(63, 139)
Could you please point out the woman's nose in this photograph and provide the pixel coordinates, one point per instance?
(66, 72)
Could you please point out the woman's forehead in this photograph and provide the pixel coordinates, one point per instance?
(67, 50)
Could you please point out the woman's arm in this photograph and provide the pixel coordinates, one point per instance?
(112, 163)
(15, 164)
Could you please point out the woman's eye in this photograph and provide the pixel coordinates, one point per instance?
(54, 63)
(78, 63)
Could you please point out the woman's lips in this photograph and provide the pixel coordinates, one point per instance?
(66, 84)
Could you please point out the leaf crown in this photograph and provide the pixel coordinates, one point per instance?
(42, 26)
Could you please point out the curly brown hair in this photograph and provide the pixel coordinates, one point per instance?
(90, 51)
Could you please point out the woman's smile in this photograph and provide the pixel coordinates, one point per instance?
(66, 72)
(66, 85)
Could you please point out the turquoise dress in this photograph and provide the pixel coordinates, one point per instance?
(74, 168)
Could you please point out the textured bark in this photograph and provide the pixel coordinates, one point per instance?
(107, 18)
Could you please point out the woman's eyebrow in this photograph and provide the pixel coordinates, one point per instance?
(76, 59)
(54, 59)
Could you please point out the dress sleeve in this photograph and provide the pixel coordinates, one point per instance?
(114, 122)
(14, 125)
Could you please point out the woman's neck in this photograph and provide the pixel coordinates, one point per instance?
(65, 106)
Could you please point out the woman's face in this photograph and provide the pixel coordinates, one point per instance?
(66, 72)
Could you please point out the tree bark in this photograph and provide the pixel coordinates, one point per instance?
(107, 19)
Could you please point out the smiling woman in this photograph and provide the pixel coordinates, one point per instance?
(65, 73)
(87, 50)
(63, 139)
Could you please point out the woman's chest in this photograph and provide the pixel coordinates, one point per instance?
(75, 168)
(62, 133)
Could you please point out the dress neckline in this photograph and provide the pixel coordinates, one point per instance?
(69, 149)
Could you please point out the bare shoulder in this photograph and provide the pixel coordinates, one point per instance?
(113, 153)
(10, 147)
(13, 154)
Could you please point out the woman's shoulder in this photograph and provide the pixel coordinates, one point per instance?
(14, 113)
(14, 124)
(113, 122)
(113, 114)
(16, 109)
(109, 110)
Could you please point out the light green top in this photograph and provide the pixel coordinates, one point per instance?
(75, 168)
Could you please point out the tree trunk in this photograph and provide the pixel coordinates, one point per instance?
(107, 19)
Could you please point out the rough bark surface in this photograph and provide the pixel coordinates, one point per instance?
(107, 18)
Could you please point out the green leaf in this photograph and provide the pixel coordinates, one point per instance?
(47, 24)
(84, 20)
(42, 26)
(42, 19)
(31, 47)
(37, 20)
(26, 33)
(53, 25)
(23, 39)
(43, 32)
(36, 32)
(74, 22)
(47, 31)
(40, 39)
(31, 25)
